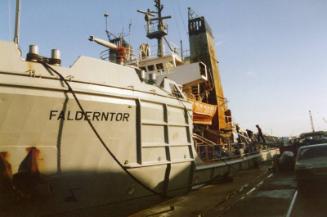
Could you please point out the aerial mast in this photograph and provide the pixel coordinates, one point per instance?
(156, 28)
(311, 121)
(106, 15)
(17, 22)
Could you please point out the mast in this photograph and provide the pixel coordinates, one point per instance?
(160, 27)
(311, 121)
(153, 21)
(181, 45)
(17, 22)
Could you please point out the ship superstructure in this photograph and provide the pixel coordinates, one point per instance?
(198, 77)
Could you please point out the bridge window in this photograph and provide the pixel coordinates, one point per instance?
(150, 67)
(203, 69)
(160, 66)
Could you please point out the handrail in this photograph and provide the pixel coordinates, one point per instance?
(204, 140)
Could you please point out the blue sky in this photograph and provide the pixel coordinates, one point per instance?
(273, 54)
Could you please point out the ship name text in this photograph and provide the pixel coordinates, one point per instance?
(88, 115)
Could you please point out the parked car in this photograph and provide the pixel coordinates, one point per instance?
(311, 166)
(312, 138)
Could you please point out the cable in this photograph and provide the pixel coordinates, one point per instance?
(70, 89)
(177, 26)
(181, 16)
(170, 48)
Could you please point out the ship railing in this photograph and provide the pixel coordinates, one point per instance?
(153, 31)
(104, 55)
(136, 56)
(166, 51)
(209, 151)
(216, 153)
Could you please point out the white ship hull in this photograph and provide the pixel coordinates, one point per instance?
(147, 130)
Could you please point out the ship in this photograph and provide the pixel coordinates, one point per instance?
(106, 138)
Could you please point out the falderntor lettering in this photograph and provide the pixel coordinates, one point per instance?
(88, 115)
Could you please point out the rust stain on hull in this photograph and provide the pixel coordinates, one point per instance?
(5, 173)
(28, 176)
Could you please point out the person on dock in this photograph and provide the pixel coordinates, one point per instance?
(261, 138)
(238, 133)
(251, 144)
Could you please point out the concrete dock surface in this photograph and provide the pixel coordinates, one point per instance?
(201, 201)
(250, 193)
